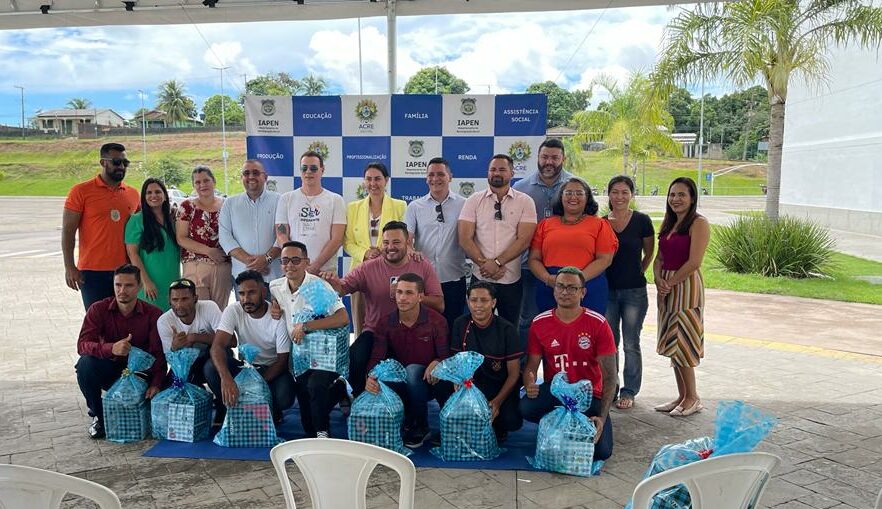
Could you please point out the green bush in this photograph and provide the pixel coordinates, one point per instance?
(791, 247)
(169, 170)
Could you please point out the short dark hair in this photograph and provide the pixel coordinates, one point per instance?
(571, 270)
(313, 153)
(107, 147)
(485, 285)
(377, 166)
(553, 143)
(396, 225)
(182, 284)
(201, 168)
(296, 243)
(410, 277)
(128, 268)
(440, 160)
(506, 157)
(249, 275)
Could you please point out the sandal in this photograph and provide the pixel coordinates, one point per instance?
(667, 407)
(625, 403)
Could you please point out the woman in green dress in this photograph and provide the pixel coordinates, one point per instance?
(151, 246)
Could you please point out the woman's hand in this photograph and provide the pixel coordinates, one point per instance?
(150, 289)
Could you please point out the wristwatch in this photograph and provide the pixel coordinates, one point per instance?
(496, 261)
(305, 329)
(269, 258)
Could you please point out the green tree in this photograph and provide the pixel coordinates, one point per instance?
(279, 83)
(233, 112)
(167, 169)
(768, 40)
(435, 80)
(173, 100)
(79, 103)
(562, 103)
(633, 122)
(312, 85)
(680, 106)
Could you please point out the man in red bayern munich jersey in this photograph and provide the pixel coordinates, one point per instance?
(578, 342)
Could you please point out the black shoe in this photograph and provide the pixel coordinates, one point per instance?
(416, 436)
(435, 440)
(96, 429)
(219, 415)
(501, 436)
(345, 401)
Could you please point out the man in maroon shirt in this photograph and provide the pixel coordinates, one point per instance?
(111, 328)
(415, 336)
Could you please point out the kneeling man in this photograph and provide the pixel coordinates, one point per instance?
(576, 341)
(190, 323)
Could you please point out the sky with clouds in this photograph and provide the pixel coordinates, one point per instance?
(496, 53)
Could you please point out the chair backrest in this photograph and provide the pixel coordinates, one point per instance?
(733, 481)
(879, 500)
(33, 488)
(337, 471)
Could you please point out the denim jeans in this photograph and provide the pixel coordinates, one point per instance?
(97, 285)
(416, 393)
(628, 307)
(529, 309)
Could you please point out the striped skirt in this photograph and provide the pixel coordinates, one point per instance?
(681, 322)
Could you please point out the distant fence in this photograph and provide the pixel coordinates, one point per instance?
(7, 132)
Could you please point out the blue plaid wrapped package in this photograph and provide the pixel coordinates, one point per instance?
(250, 422)
(183, 411)
(739, 427)
(466, 432)
(376, 418)
(328, 349)
(126, 412)
(565, 441)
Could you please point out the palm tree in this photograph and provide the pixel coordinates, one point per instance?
(173, 101)
(747, 41)
(79, 103)
(312, 85)
(632, 122)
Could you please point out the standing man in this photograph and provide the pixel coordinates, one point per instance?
(376, 279)
(317, 390)
(98, 209)
(111, 328)
(432, 223)
(313, 216)
(541, 185)
(190, 323)
(576, 341)
(495, 228)
(247, 221)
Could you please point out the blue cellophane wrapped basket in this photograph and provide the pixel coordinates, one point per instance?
(565, 441)
(376, 418)
(328, 349)
(183, 411)
(739, 427)
(466, 432)
(126, 412)
(250, 422)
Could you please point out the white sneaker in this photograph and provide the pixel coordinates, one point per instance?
(321, 434)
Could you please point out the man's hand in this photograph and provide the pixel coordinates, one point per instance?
(598, 423)
(275, 310)
(313, 268)
(371, 253)
(217, 255)
(494, 408)
(416, 255)
(151, 391)
(121, 348)
(427, 375)
(229, 391)
(180, 340)
(372, 385)
(73, 278)
(297, 333)
(331, 277)
(258, 263)
(530, 386)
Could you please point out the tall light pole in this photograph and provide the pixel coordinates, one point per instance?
(224, 129)
(700, 137)
(22, 110)
(360, 77)
(143, 127)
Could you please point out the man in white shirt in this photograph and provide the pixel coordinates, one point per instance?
(189, 323)
(250, 321)
(313, 215)
(317, 390)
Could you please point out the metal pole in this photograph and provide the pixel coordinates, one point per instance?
(391, 43)
(360, 77)
(700, 136)
(143, 127)
(22, 110)
(224, 129)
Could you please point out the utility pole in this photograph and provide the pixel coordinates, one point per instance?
(143, 127)
(224, 129)
(22, 110)
(700, 137)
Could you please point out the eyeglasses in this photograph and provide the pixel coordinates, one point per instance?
(574, 194)
(440, 212)
(117, 161)
(498, 207)
(567, 288)
(293, 260)
(181, 283)
(251, 173)
(312, 168)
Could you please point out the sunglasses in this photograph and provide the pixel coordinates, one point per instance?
(375, 227)
(251, 173)
(293, 260)
(312, 168)
(181, 283)
(117, 161)
(440, 212)
(498, 207)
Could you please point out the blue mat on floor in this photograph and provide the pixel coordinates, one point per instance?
(519, 445)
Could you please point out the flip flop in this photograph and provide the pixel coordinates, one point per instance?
(625, 403)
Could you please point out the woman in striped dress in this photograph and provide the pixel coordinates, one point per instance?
(682, 242)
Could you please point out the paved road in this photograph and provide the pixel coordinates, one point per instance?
(30, 227)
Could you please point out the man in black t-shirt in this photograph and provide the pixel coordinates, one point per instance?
(497, 340)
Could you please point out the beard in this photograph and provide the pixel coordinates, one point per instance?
(116, 175)
(550, 170)
(496, 182)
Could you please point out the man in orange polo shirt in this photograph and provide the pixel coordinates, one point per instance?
(98, 209)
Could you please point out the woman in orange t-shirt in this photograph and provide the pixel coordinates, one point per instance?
(573, 236)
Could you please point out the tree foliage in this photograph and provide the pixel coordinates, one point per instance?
(79, 103)
(173, 100)
(435, 80)
(167, 169)
(282, 83)
(562, 103)
(233, 113)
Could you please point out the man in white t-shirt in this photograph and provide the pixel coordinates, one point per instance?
(313, 216)
(189, 323)
(317, 390)
(250, 321)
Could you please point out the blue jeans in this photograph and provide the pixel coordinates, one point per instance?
(595, 297)
(628, 306)
(416, 393)
(97, 285)
(529, 309)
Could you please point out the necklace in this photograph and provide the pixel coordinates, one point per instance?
(564, 220)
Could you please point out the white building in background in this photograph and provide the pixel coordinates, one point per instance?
(69, 121)
(831, 169)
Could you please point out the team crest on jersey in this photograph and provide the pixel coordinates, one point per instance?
(584, 342)
(555, 343)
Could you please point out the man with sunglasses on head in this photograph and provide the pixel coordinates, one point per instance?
(313, 215)
(97, 210)
(190, 323)
(495, 228)
(431, 220)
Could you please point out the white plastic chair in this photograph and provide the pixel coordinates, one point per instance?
(733, 481)
(32, 488)
(879, 500)
(337, 471)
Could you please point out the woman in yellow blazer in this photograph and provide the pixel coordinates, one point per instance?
(365, 219)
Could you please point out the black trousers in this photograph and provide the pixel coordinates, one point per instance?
(95, 375)
(97, 285)
(317, 393)
(454, 300)
(509, 418)
(282, 387)
(359, 356)
(508, 301)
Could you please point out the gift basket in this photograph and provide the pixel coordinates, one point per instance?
(183, 411)
(249, 423)
(126, 412)
(328, 349)
(376, 418)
